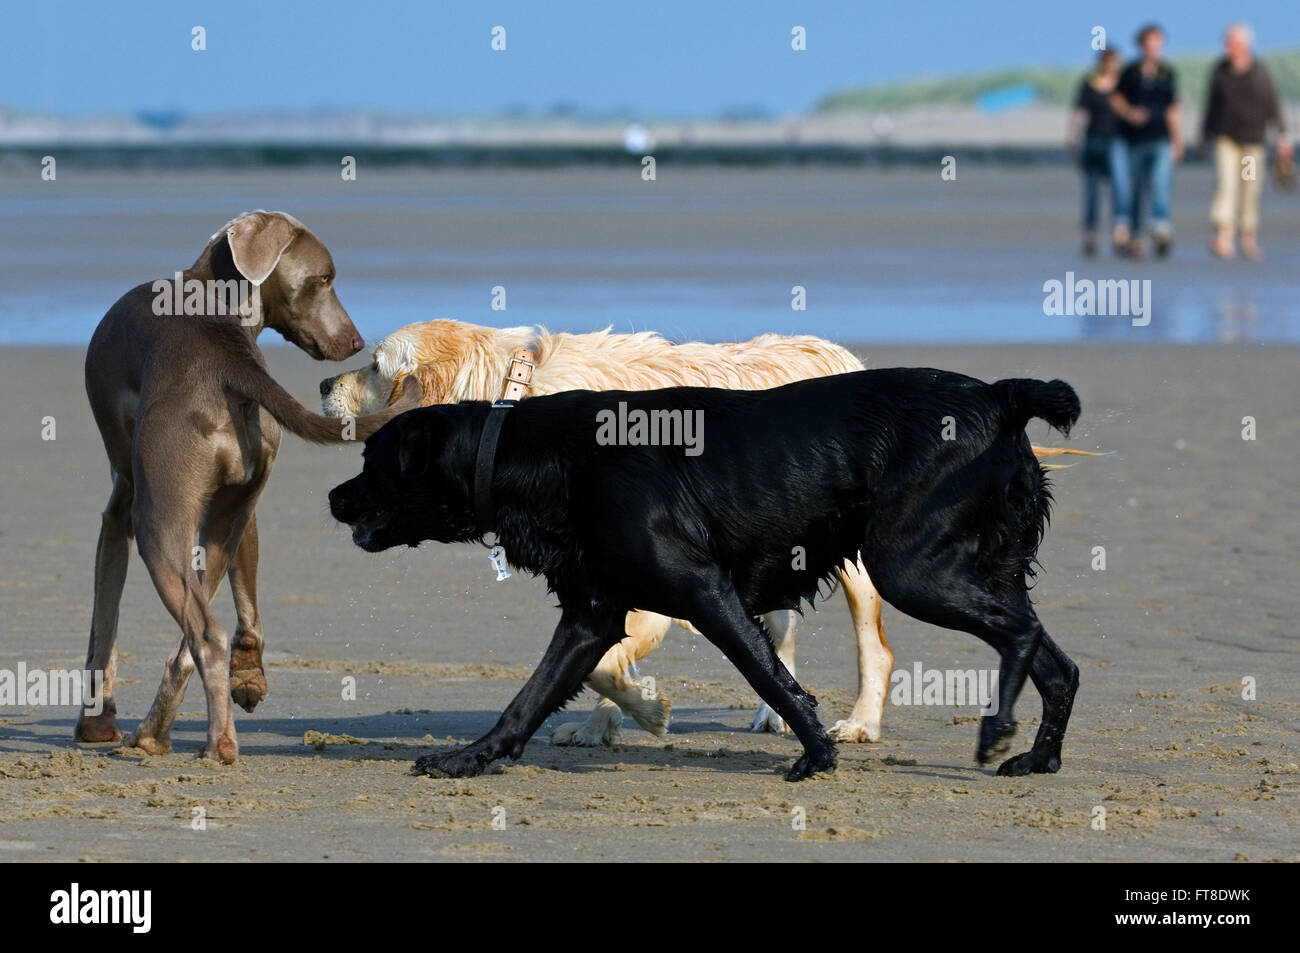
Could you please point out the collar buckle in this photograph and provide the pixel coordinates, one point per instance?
(519, 374)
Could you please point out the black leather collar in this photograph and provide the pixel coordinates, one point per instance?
(485, 464)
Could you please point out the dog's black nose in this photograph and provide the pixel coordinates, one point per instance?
(343, 503)
(326, 386)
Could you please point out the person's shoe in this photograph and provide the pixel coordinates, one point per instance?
(1137, 249)
(1164, 241)
(1223, 248)
(1120, 239)
(1250, 248)
(1089, 244)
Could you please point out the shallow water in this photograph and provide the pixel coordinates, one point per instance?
(886, 256)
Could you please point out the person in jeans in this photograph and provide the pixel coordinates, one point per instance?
(1092, 112)
(1151, 137)
(1240, 106)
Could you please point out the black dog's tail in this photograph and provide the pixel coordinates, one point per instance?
(1011, 550)
(1053, 401)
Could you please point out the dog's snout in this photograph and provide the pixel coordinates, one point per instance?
(346, 342)
(338, 507)
(327, 385)
(346, 502)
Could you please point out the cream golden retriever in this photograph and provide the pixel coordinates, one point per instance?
(454, 361)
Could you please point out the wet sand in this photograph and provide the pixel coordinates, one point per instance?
(1201, 531)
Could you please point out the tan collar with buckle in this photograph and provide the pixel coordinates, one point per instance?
(519, 373)
(519, 377)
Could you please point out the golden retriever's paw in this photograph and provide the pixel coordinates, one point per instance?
(768, 720)
(589, 734)
(653, 715)
(845, 731)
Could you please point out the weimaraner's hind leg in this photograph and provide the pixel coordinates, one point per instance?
(165, 546)
(247, 677)
(112, 555)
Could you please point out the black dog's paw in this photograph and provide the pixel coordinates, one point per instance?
(460, 763)
(812, 762)
(1029, 763)
(995, 739)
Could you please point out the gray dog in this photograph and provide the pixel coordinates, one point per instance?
(191, 420)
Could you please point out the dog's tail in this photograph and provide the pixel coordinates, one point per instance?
(1053, 401)
(251, 380)
(1042, 452)
(1012, 548)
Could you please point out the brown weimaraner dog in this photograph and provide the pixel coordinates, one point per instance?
(190, 418)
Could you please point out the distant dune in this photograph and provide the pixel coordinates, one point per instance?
(1008, 114)
(1054, 86)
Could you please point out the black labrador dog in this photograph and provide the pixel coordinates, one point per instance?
(926, 474)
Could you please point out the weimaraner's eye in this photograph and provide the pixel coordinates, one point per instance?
(326, 279)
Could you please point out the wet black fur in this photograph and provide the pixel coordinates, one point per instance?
(947, 528)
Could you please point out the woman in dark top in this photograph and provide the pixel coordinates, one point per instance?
(1093, 113)
(1151, 133)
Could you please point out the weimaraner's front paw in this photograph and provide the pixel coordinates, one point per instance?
(147, 743)
(225, 750)
(247, 677)
(97, 729)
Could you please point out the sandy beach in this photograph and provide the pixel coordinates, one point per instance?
(1201, 530)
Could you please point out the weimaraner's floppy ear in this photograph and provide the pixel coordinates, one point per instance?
(257, 240)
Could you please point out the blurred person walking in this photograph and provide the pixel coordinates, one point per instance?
(1096, 145)
(1240, 107)
(1151, 130)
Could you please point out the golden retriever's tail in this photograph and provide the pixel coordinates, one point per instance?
(1042, 452)
(247, 376)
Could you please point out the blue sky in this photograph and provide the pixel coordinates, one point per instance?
(657, 58)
